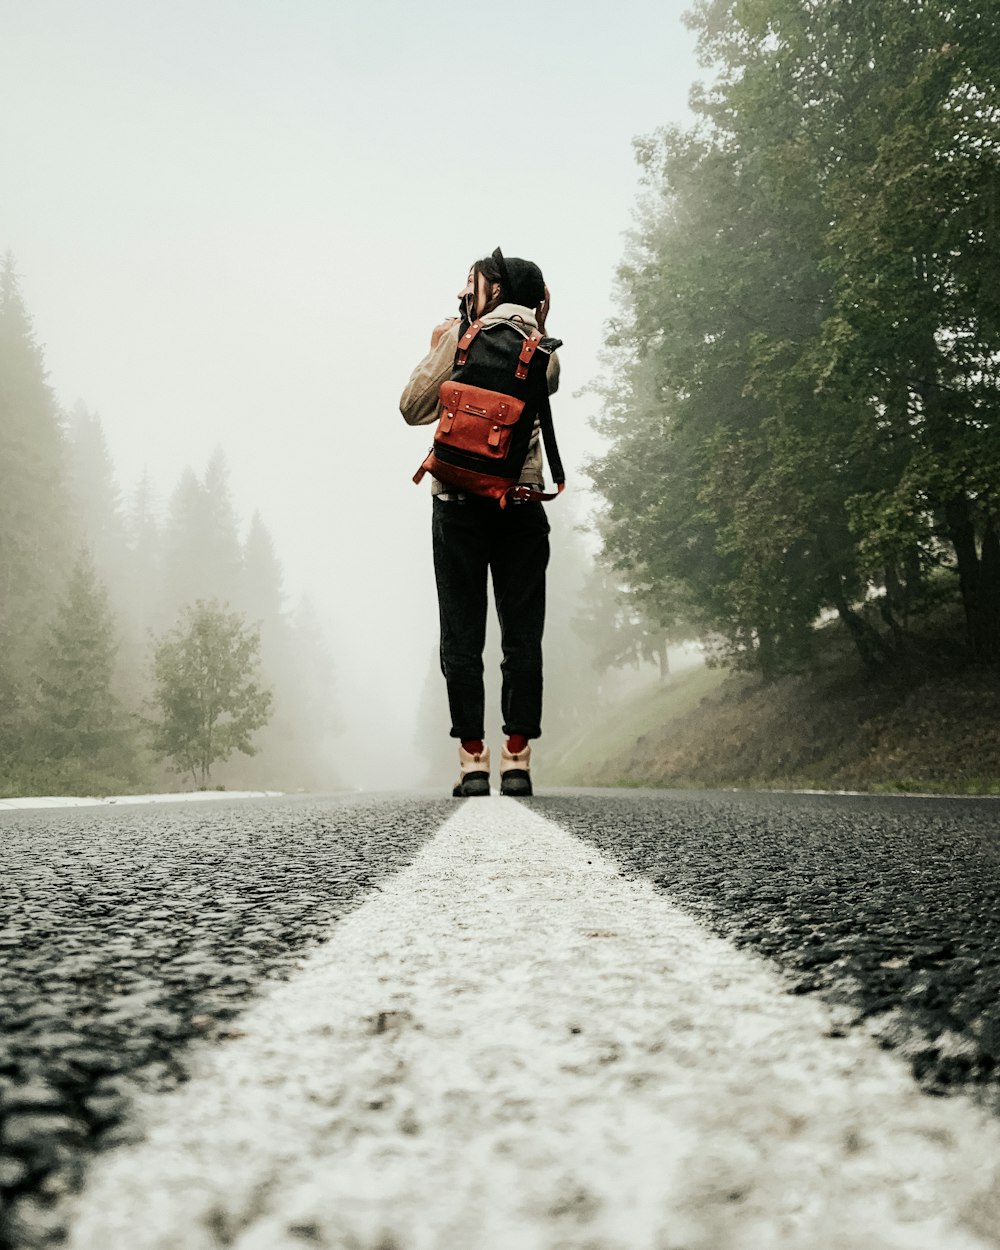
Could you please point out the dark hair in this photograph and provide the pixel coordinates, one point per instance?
(493, 273)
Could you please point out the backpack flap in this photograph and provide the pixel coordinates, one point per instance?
(476, 420)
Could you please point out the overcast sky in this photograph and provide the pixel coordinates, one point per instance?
(237, 221)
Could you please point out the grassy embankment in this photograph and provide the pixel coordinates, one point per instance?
(930, 724)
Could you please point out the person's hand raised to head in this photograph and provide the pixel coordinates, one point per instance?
(443, 328)
(542, 311)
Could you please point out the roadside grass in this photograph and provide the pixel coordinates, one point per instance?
(71, 777)
(614, 729)
(984, 786)
(928, 724)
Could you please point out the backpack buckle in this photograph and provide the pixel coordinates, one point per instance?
(527, 355)
(465, 342)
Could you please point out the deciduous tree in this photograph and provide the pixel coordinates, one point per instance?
(803, 396)
(207, 690)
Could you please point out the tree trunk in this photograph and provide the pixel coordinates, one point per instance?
(892, 605)
(962, 533)
(867, 642)
(913, 578)
(664, 659)
(989, 574)
(765, 653)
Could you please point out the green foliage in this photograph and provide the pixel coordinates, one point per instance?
(77, 711)
(34, 526)
(803, 398)
(34, 523)
(80, 733)
(207, 690)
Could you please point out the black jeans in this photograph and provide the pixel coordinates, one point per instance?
(471, 536)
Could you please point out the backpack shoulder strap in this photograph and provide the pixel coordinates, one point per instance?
(465, 342)
(549, 438)
(528, 349)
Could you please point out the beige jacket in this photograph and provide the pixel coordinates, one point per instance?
(419, 401)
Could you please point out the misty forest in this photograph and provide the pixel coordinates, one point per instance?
(800, 406)
(135, 646)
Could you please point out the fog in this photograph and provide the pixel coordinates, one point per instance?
(236, 223)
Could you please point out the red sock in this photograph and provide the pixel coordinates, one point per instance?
(474, 746)
(516, 743)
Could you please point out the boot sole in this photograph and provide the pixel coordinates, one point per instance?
(475, 786)
(516, 783)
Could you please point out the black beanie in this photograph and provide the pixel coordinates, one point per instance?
(521, 281)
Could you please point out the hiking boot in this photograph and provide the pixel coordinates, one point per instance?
(515, 772)
(474, 774)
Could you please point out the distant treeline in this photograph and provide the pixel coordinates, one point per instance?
(803, 399)
(89, 580)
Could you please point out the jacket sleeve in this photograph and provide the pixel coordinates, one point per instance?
(552, 373)
(419, 401)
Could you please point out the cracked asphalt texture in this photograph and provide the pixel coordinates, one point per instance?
(127, 933)
(887, 906)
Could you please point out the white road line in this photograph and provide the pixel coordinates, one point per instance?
(126, 800)
(512, 1047)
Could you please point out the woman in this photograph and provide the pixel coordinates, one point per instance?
(474, 537)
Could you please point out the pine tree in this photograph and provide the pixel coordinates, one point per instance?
(78, 717)
(202, 558)
(144, 559)
(185, 577)
(34, 525)
(262, 594)
(222, 543)
(96, 498)
(286, 739)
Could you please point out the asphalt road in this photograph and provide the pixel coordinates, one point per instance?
(126, 934)
(887, 906)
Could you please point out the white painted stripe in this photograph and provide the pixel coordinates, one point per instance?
(872, 794)
(512, 1047)
(188, 796)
